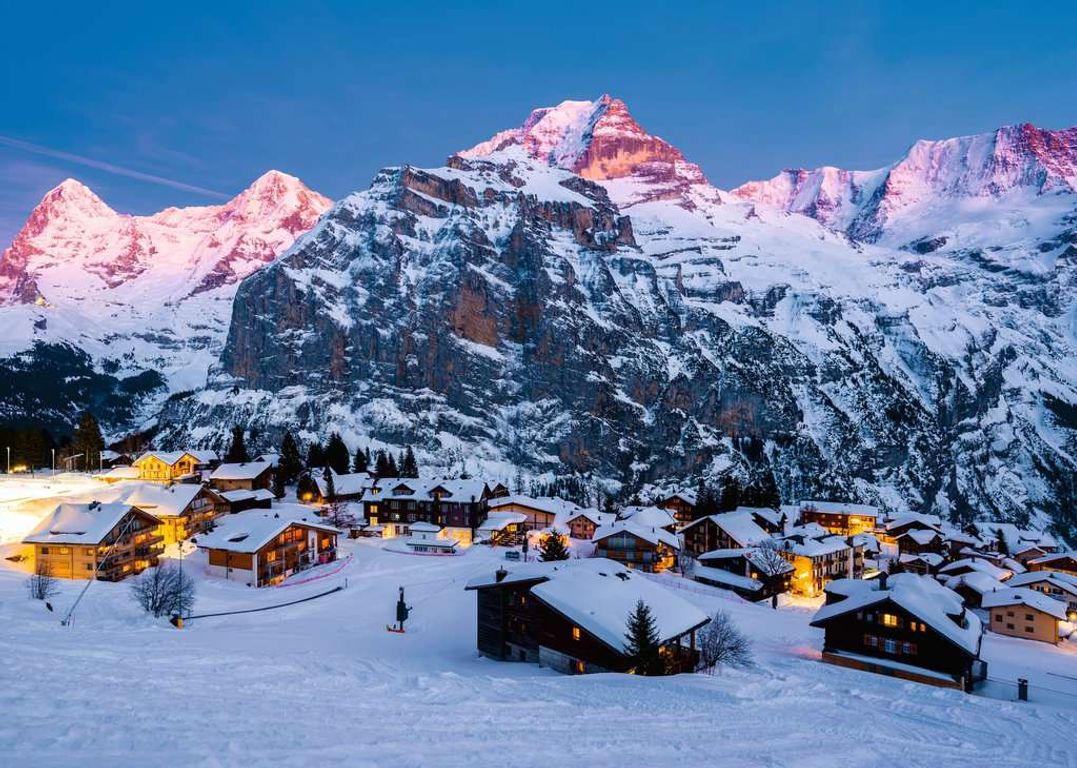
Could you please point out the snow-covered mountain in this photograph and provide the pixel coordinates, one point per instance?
(573, 296)
(142, 293)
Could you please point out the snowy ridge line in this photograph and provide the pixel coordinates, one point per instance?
(338, 588)
(308, 580)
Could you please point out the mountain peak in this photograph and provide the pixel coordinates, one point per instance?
(71, 195)
(601, 140)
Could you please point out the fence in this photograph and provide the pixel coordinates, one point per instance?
(337, 588)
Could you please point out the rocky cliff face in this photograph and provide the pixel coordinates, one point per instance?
(508, 309)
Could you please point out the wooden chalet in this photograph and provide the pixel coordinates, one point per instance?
(458, 505)
(1061, 562)
(841, 518)
(744, 571)
(818, 561)
(243, 476)
(918, 541)
(505, 529)
(352, 486)
(184, 509)
(173, 466)
(1060, 586)
(925, 563)
(729, 530)
(904, 626)
(103, 541)
(1025, 613)
(583, 523)
(682, 504)
(261, 548)
(573, 615)
(635, 546)
(540, 512)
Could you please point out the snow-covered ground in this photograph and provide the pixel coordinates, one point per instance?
(322, 682)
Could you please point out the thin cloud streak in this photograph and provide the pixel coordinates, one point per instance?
(118, 170)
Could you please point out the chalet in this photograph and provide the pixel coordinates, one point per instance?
(973, 586)
(905, 626)
(1009, 538)
(817, 562)
(111, 459)
(184, 509)
(915, 541)
(1029, 552)
(104, 541)
(649, 517)
(573, 615)
(867, 543)
(541, 512)
(272, 459)
(838, 517)
(173, 466)
(637, 546)
(459, 505)
(681, 504)
(972, 564)
(429, 539)
(119, 474)
(263, 548)
(924, 563)
(582, 523)
(729, 530)
(503, 528)
(1021, 612)
(1062, 562)
(1060, 586)
(751, 573)
(241, 500)
(348, 487)
(899, 525)
(244, 476)
(770, 520)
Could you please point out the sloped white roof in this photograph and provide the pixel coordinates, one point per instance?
(171, 457)
(976, 581)
(499, 521)
(269, 458)
(163, 500)
(251, 530)
(241, 494)
(840, 508)
(1028, 597)
(739, 525)
(530, 571)
(976, 565)
(921, 535)
(351, 484)
(865, 540)
(596, 517)
(120, 473)
(1047, 559)
(247, 470)
(684, 495)
(827, 545)
(931, 558)
(1064, 581)
(926, 521)
(652, 534)
(601, 601)
(79, 523)
(1016, 538)
(772, 516)
(456, 489)
(424, 526)
(726, 578)
(553, 505)
(921, 596)
(651, 517)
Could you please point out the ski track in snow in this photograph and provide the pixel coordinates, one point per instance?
(323, 682)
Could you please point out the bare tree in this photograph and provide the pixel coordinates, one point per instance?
(164, 591)
(769, 562)
(720, 642)
(339, 515)
(42, 585)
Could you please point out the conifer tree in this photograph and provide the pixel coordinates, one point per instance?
(381, 464)
(642, 642)
(553, 547)
(337, 455)
(330, 485)
(237, 451)
(306, 488)
(359, 462)
(290, 463)
(729, 497)
(315, 456)
(88, 441)
(391, 467)
(409, 467)
(278, 483)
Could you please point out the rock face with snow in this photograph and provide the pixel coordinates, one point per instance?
(573, 296)
(141, 293)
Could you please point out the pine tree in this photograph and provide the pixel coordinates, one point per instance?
(409, 467)
(359, 462)
(553, 547)
(306, 488)
(88, 441)
(278, 484)
(337, 455)
(642, 642)
(381, 465)
(392, 469)
(315, 456)
(330, 486)
(1000, 542)
(729, 497)
(290, 463)
(237, 451)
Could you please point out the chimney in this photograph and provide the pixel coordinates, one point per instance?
(883, 577)
(500, 574)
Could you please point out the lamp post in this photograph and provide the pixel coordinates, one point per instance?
(9, 459)
(54, 461)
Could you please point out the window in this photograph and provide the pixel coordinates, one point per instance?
(575, 633)
(44, 550)
(908, 649)
(871, 641)
(577, 667)
(89, 566)
(65, 550)
(890, 646)
(1030, 629)
(1010, 626)
(998, 617)
(1029, 617)
(890, 620)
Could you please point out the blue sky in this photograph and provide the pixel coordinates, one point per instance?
(331, 92)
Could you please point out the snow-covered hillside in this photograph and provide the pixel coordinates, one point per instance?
(143, 292)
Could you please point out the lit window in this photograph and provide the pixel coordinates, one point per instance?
(575, 633)
(890, 620)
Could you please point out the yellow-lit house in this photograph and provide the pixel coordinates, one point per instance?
(184, 509)
(839, 517)
(105, 541)
(170, 466)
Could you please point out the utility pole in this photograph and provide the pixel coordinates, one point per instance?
(54, 461)
(9, 459)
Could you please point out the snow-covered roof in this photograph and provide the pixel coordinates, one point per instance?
(720, 576)
(251, 530)
(171, 457)
(1014, 536)
(120, 473)
(1027, 597)
(652, 534)
(424, 526)
(241, 494)
(840, 508)
(865, 540)
(417, 541)
(601, 601)
(79, 523)
(921, 535)
(976, 581)
(915, 519)
(247, 470)
(1048, 559)
(975, 564)
(533, 571)
(772, 516)
(553, 505)
(828, 545)
(163, 500)
(653, 517)
(1064, 581)
(351, 484)
(687, 496)
(454, 489)
(739, 525)
(596, 517)
(930, 558)
(499, 521)
(725, 554)
(269, 458)
(940, 608)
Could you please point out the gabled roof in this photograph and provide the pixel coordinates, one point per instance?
(916, 519)
(1048, 559)
(687, 496)
(80, 523)
(738, 525)
(920, 596)
(1027, 597)
(772, 516)
(652, 534)
(921, 535)
(552, 505)
(1063, 581)
(171, 457)
(654, 517)
(840, 508)
(600, 601)
(596, 517)
(164, 500)
(974, 564)
(351, 484)
(251, 530)
(241, 494)
(120, 473)
(422, 488)
(977, 581)
(247, 470)
(499, 521)
(865, 540)
(930, 558)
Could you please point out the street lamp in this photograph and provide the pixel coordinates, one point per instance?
(54, 461)
(9, 459)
